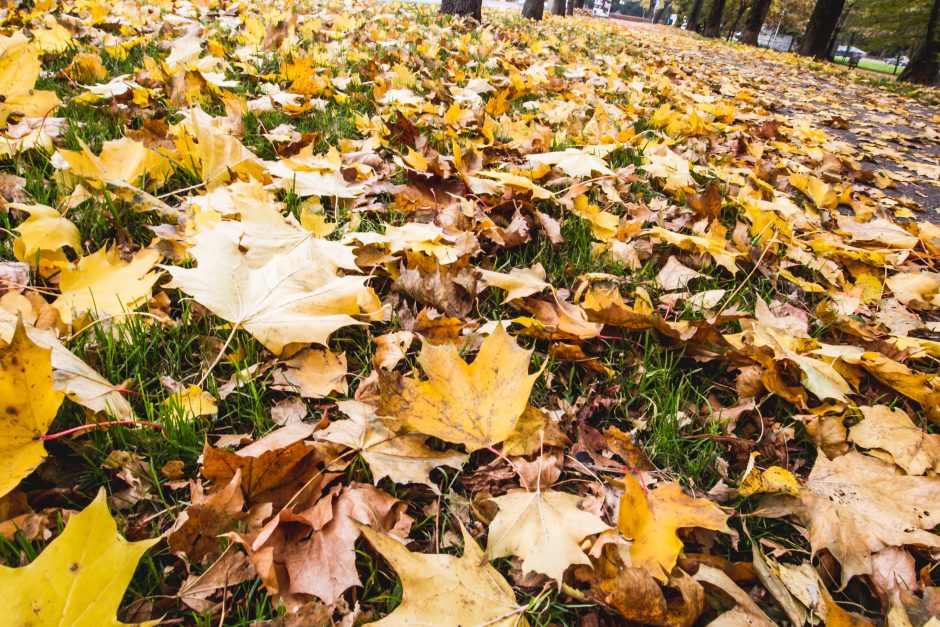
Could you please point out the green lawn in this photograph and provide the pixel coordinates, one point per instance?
(872, 65)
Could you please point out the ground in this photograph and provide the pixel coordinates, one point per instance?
(337, 312)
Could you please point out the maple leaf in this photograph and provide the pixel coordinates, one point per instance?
(543, 528)
(918, 290)
(105, 285)
(817, 190)
(443, 589)
(317, 544)
(209, 153)
(19, 69)
(79, 578)
(291, 299)
(191, 402)
(573, 162)
(476, 404)
(665, 164)
(313, 373)
(123, 160)
(651, 521)
(892, 431)
(518, 282)
(271, 468)
(402, 457)
(80, 382)
(714, 246)
(856, 505)
(30, 404)
(44, 231)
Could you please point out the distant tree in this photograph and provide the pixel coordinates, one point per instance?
(755, 21)
(738, 13)
(695, 15)
(533, 9)
(821, 26)
(558, 7)
(664, 13)
(923, 65)
(468, 8)
(790, 17)
(713, 23)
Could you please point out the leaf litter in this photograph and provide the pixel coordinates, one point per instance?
(361, 313)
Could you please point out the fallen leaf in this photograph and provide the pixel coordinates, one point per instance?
(79, 578)
(402, 457)
(652, 519)
(103, 284)
(477, 405)
(30, 405)
(313, 373)
(892, 431)
(544, 528)
(443, 589)
(856, 505)
(291, 299)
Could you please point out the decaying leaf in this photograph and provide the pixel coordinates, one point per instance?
(892, 431)
(402, 457)
(856, 505)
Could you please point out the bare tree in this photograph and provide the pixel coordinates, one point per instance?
(822, 24)
(755, 21)
(923, 66)
(468, 8)
(533, 9)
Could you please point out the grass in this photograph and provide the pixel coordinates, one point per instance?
(658, 391)
(872, 65)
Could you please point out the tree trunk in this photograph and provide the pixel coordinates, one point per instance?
(533, 9)
(694, 15)
(664, 13)
(558, 7)
(569, 7)
(713, 24)
(923, 66)
(755, 21)
(579, 4)
(822, 23)
(469, 8)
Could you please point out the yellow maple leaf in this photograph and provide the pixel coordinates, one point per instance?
(476, 404)
(79, 579)
(104, 284)
(122, 159)
(292, 297)
(19, 69)
(441, 589)
(44, 234)
(29, 403)
(652, 519)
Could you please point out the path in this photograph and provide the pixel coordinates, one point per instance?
(886, 131)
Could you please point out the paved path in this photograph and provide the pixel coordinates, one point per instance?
(889, 131)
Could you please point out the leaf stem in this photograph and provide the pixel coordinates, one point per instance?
(97, 425)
